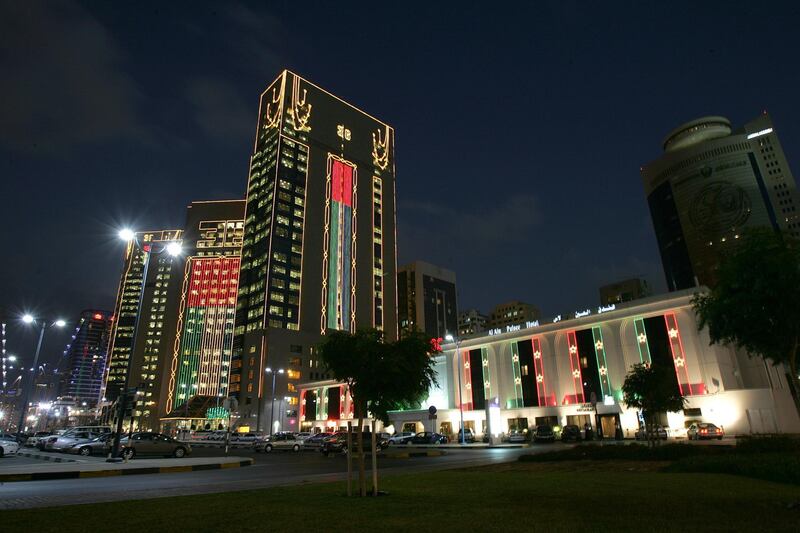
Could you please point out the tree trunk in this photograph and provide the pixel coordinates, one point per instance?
(793, 371)
(362, 475)
(349, 458)
(374, 460)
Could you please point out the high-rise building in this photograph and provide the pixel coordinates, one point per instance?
(85, 358)
(624, 291)
(156, 332)
(471, 322)
(426, 300)
(710, 184)
(198, 368)
(512, 313)
(319, 249)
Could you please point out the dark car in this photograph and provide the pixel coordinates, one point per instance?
(429, 437)
(315, 441)
(337, 443)
(659, 431)
(571, 433)
(149, 443)
(544, 433)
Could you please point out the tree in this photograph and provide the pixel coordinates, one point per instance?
(380, 376)
(754, 304)
(652, 390)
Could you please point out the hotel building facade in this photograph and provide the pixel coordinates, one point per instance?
(319, 249)
(570, 370)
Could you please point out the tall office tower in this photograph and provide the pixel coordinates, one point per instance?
(624, 291)
(513, 313)
(85, 358)
(471, 322)
(155, 336)
(199, 364)
(426, 300)
(319, 248)
(712, 183)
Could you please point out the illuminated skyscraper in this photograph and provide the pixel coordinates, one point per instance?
(154, 339)
(319, 249)
(709, 185)
(199, 365)
(85, 358)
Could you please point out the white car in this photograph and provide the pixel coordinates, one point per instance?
(402, 437)
(8, 447)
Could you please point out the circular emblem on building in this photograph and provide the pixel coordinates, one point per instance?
(718, 206)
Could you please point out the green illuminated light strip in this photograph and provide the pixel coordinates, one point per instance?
(518, 401)
(487, 378)
(602, 366)
(641, 341)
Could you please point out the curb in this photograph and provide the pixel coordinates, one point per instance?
(408, 455)
(46, 457)
(74, 474)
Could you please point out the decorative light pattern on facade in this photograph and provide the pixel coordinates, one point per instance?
(377, 252)
(643, 345)
(678, 355)
(299, 110)
(538, 367)
(602, 365)
(339, 259)
(515, 369)
(380, 148)
(575, 366)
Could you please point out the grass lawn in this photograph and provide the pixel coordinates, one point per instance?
(609, 496)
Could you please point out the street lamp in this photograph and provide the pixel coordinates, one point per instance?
(274, 373)
(173, 248)
(43, 325)
(450, 338)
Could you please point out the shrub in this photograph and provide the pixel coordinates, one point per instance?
(629, 452)
(768, 444)
(778, 467)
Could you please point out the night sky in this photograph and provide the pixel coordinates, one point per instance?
(520, 131)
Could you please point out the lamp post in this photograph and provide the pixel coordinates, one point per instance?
(173, 248)
(274, 373)
(43, 326)
(450, 338)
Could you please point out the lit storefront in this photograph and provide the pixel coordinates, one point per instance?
(570, 370)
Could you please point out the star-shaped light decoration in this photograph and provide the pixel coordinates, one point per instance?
(573, 349)
(673, 333)
(466, 365)
(302, 418)
(539, 378)
(517, 381)
(485, 362)
(679, 361)
(486, 384)
(537, 354)
(642, 338)
(515, 358)
(603, 371)
(304, 401)
(598, 345)
(576, 373)
(469, 386)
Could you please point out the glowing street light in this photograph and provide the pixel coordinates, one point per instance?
(274, 373)
(28, 319)
(127, 234)
(174, 249)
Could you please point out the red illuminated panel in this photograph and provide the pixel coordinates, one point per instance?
(213, 282)
(464, 362)
(575, 367)
(342, 183)
(302, 406)
(678, 355)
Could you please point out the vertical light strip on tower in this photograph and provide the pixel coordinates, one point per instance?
(538, 367)
(602, 366)
(303, 405)
(678, 355)
(641, 341)
(377, 252)
(518, 395)
(575, 366)
(487, 377)
(338, 312)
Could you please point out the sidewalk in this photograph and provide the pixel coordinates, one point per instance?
(28, 472)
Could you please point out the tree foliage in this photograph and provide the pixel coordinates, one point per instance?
(652, 390)
(754, 304)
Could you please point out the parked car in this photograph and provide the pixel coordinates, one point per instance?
(34, 439)
(704, 430)
(247, 437)
(13, 437)
(469, 435)
(97, 446)
(544, 433)
(516, 435)
(429, 437)
(571, 433)
(401, 437)
(315, 441)
(283, 440)
(337, 443)
(149, 443)
(303, 435)
(69, 439)
(8, 446)
(660, 431)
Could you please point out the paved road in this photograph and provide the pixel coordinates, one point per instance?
(271, 470)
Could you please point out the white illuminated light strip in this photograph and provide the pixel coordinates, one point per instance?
(759, 133)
